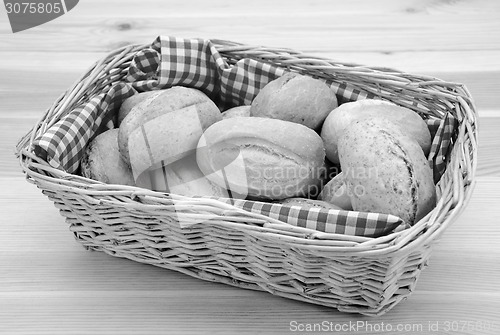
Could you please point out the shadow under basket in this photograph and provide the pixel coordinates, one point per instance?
(358, 274)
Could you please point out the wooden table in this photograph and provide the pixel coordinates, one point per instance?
(49, 284)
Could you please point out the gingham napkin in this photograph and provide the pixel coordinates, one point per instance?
(443, 132)
(325, 220)
(63, 144)
(196, 63)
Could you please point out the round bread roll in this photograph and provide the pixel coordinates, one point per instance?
(295, 98)
(102, 161)
(236, 112)
(337, 121)
(385, 171)
(262, 158)
(335, 192)
(309, 203)
(165, 127)
(135, 100)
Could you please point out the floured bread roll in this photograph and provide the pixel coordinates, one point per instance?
(102, 161)
(295, 98)
(237, 111)
(337, 121)
(262, 158)
(128, 104)
(385, 171)
(169, 123)
(335, 192)
(309, 203)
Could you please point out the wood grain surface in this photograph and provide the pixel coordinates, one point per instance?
(49, 284)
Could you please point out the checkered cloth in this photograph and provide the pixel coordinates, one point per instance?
(196, 63)
(325, 220)
(443, 131)
(63, 144)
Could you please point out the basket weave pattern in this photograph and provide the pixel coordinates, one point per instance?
(248, 250)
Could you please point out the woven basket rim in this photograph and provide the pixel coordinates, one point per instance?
(423, 232)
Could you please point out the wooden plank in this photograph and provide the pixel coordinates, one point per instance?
(489, 142)
(179, 312)
(60, 62)
(415, 29)
(375, 34)
(196, 8)
(44, 87)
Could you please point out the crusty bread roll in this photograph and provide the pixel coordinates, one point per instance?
(133, 101)
(236, 112)
(263, 158)
(102, 161)
(296, 98)
(385, 170)
(309, 203)
(165, 128)
(335, 123)
(335, 192)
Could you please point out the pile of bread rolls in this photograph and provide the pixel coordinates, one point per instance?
(294, 145)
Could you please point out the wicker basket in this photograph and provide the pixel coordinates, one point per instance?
(349, 273)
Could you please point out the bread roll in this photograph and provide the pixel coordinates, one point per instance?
(336, 122)
(309, 203)
(263, 158)
(102, 161)
(134, 101)
(295, 98)
(335, 192)
(165, 128)
(385, 171)
(236, 112)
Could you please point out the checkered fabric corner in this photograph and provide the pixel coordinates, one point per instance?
(63, 144)
(442, 144)
(344, 222)
(143, 72)
(433, 126)
(196, 63)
